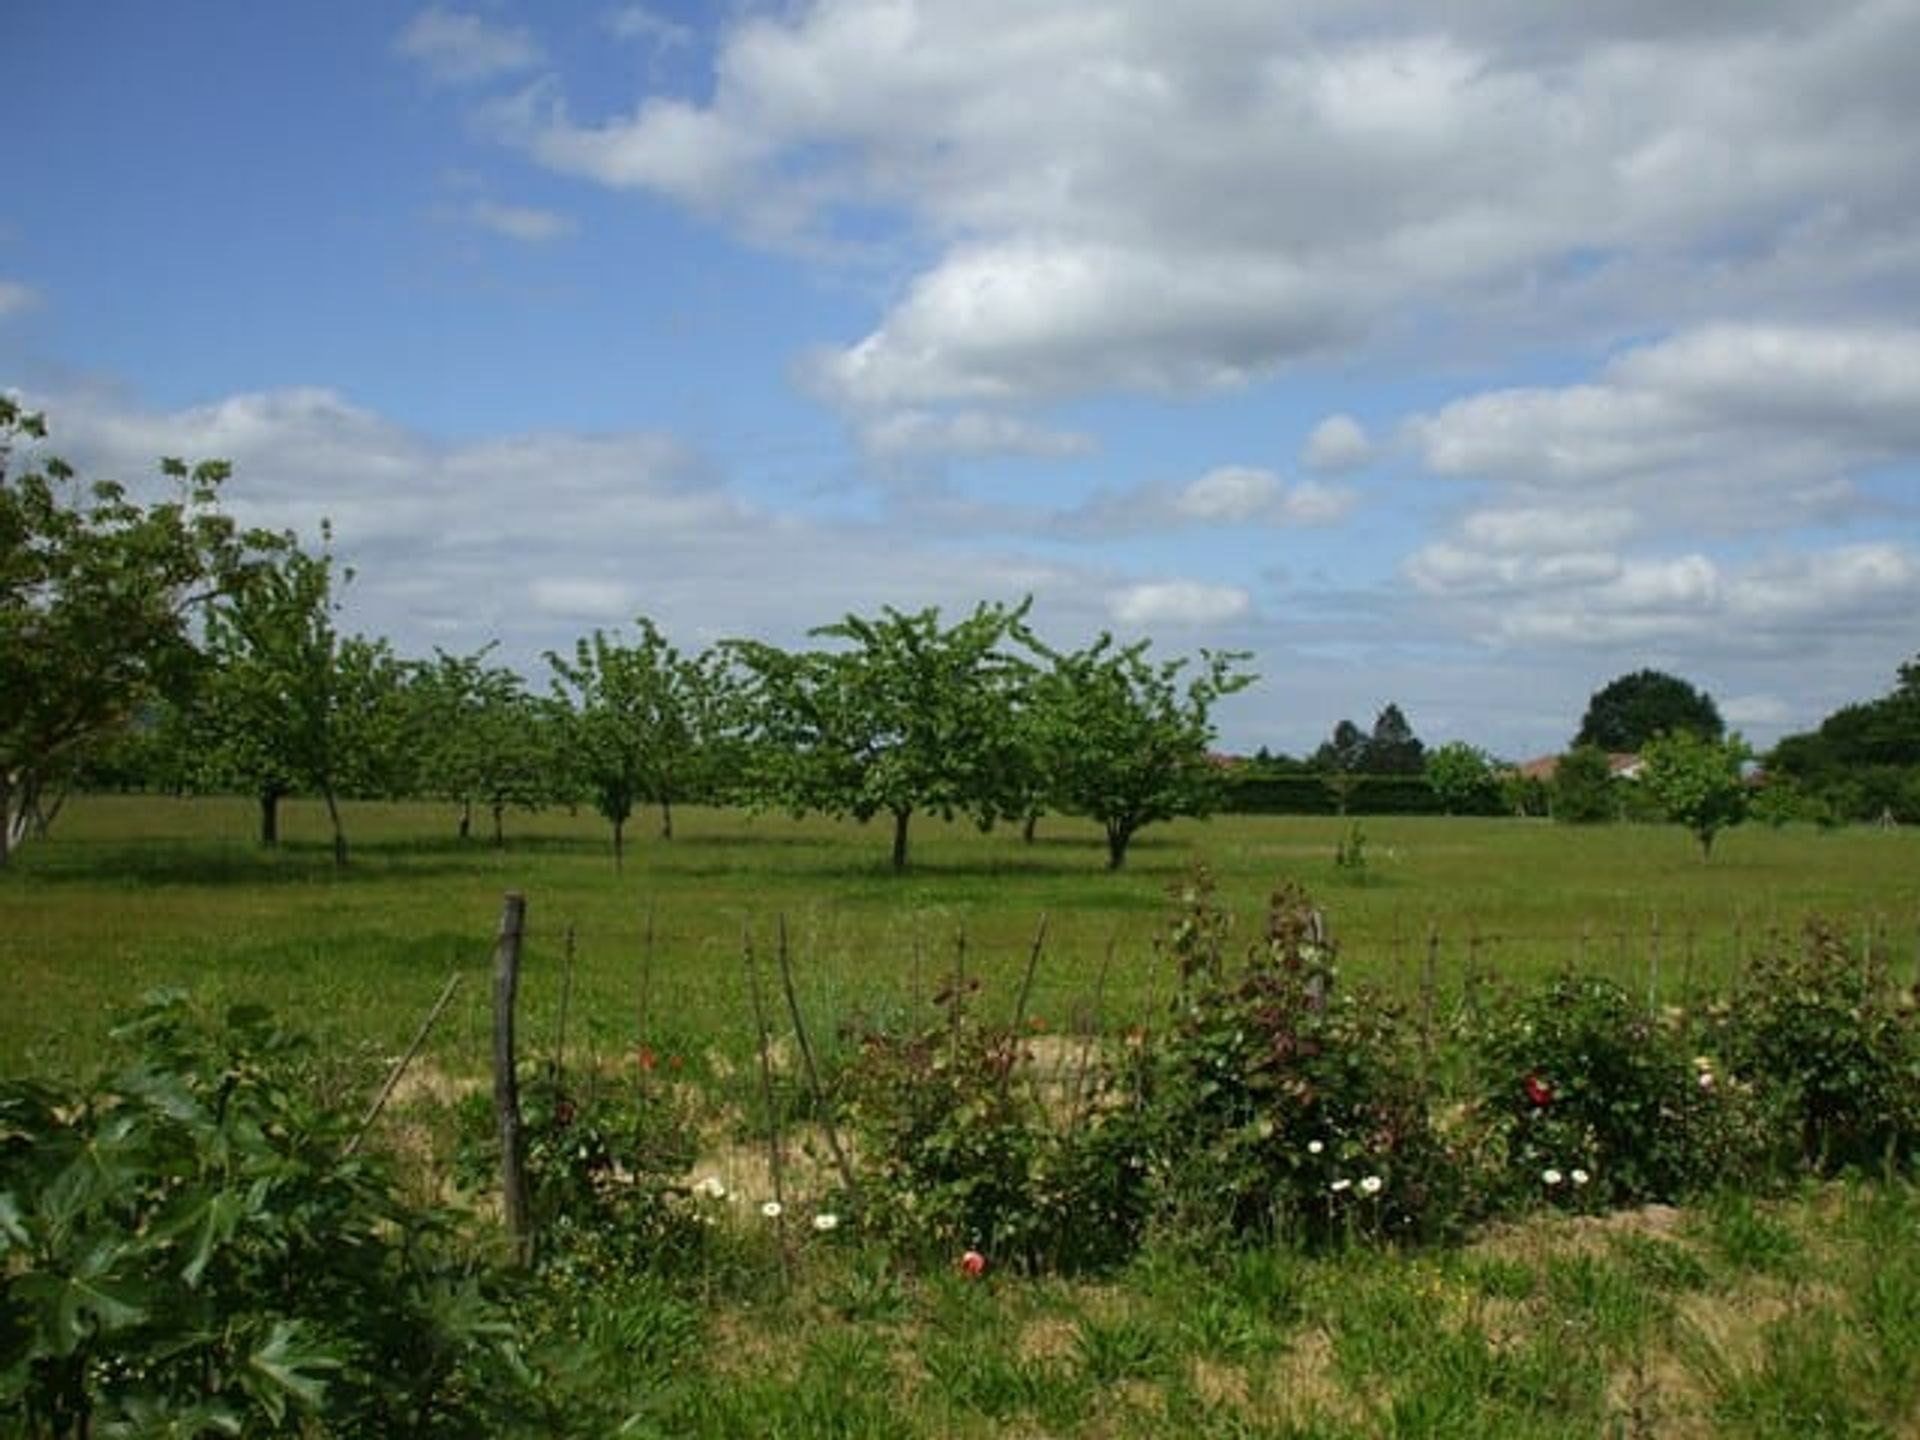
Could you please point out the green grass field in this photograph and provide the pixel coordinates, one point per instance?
(1787, 1316)
(132, 893)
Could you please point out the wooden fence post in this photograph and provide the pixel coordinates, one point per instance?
(506, 1079)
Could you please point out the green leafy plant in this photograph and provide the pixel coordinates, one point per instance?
(1273, 1102)
(187, 1249)
(605, 1173)
(1586, 1100)
(1823, 1038)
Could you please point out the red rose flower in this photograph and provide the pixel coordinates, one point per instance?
(1539, 1091)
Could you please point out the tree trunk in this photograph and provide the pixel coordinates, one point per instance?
(619, 844)
(1118, 837)
(339, 830)
(900, 819)
(1027, 826)
(666, 817)
(466, 820)
(6, 818)
(499, 825)
(269, 817)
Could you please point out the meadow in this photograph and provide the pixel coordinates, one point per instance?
(1789, 1310)
(129, 893)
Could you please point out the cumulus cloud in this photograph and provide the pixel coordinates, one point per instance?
(1228, 495)
(1665, 502)
(530, 538)
(1127, 195)
(1178, 602)
(1338, 444)
(1734, 412)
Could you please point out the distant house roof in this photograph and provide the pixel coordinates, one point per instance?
(1545, 767)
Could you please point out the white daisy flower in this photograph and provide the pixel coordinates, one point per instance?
(1314, 1147)
(772, 1209)
(1370, 1185)
(825, 1221)
(1341, 1186)
(1550, 1176)
(1580, 1177)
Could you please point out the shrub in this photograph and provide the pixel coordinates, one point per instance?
(951, 1138)
(605, 1167)
(1822, 1038)
(1273, 1103)
(1585, 1100)
(186, 1250)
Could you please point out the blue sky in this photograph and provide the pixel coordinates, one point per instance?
(1459, 363)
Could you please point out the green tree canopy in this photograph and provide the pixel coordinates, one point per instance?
(98, 594)
(479, 738)
(636, 722)
(911, 716)
(1122, 741)
(1627, 712)
(1697, 782)
(289, 703)
(1462, 776)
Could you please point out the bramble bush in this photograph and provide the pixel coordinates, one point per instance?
(187, 1250)
(1828, 1044)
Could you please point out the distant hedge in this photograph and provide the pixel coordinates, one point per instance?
(1315, 794)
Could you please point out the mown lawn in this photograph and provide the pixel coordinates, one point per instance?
(131, 893)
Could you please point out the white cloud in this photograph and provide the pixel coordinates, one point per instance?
(1178, 602)
(529, 537)
(1226, 496)
(520, 222)
(1719, 431)
(1126, 195)
(1238, 494)
(574, 598)
(1536, 528)
(1338, 444)
(968, 432)
(461, 49)
(1233, 492)
(16, 297)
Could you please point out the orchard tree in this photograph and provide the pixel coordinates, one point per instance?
(1626, 713)
(1123, 741)
(911, 717)
(98, 595)
(289, 704)
(636, 723)
(1698, 782)
(480, 738)
(1462, 777)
